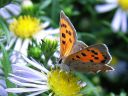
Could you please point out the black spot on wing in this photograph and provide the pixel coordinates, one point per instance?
(92, 55)
(70, 40)
(96, 53)
(73, 59)
(103, 61)
(96, 58)
(83, 54)
(77, 56)
(68, 32)
(88, 50)
(63, 25)
(63, 35)
(105, 57)
(91, 61)
(63, 42)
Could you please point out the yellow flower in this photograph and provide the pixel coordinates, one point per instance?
(25, 26)
(63, 84)
(123, 4)
(55, 82)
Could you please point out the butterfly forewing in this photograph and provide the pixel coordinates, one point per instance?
(67, 35)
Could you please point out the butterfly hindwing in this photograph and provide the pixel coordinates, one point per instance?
(79, 45)
(88, 67)
(89, 58)
(97, 54)
(67, 35)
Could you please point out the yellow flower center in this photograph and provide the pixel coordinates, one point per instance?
(123, 4)
(63, 84)
(25, 26)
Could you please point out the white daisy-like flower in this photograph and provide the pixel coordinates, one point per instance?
(24, 29)
(37, 79)
(120, 18)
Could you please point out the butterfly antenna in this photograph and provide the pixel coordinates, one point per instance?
(60, 61)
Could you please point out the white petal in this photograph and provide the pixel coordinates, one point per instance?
(51, 31)
(27, 79)
(4, 13)
(2, 82)
(105, 7)
(112, 1)
(10, 43)
(42, 68)
(26, 74)
(45, 24)
(26, 71)
(42, 34)
(15, 9)
(10, 20)
(18, 44)
(124, 22)
(116, 22)
(50, 94)
(56, 54)
(21, 90)
(17, 58)
(24, 47)
(36, 93)
(3, 92)
(26, 84)
(50, 63)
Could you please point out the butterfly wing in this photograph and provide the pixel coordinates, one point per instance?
(67, 35)
(92, 58)
(79, 45)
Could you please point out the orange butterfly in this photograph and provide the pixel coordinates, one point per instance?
(76, 55)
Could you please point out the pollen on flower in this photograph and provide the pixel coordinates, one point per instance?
(25, 26)
(63, 84)
(123, 4)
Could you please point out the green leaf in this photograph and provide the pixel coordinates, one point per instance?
(45, 3)
(4, 2)
(6, 66)
(5, 29)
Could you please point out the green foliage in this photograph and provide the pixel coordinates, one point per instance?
(4, 32)
(49, 47)
(6, 67)
(43, 51)
(4, 2)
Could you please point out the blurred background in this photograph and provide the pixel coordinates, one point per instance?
(92, 28)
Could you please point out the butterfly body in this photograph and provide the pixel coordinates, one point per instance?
(77, 55)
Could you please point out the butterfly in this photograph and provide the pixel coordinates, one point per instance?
(76, 55)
